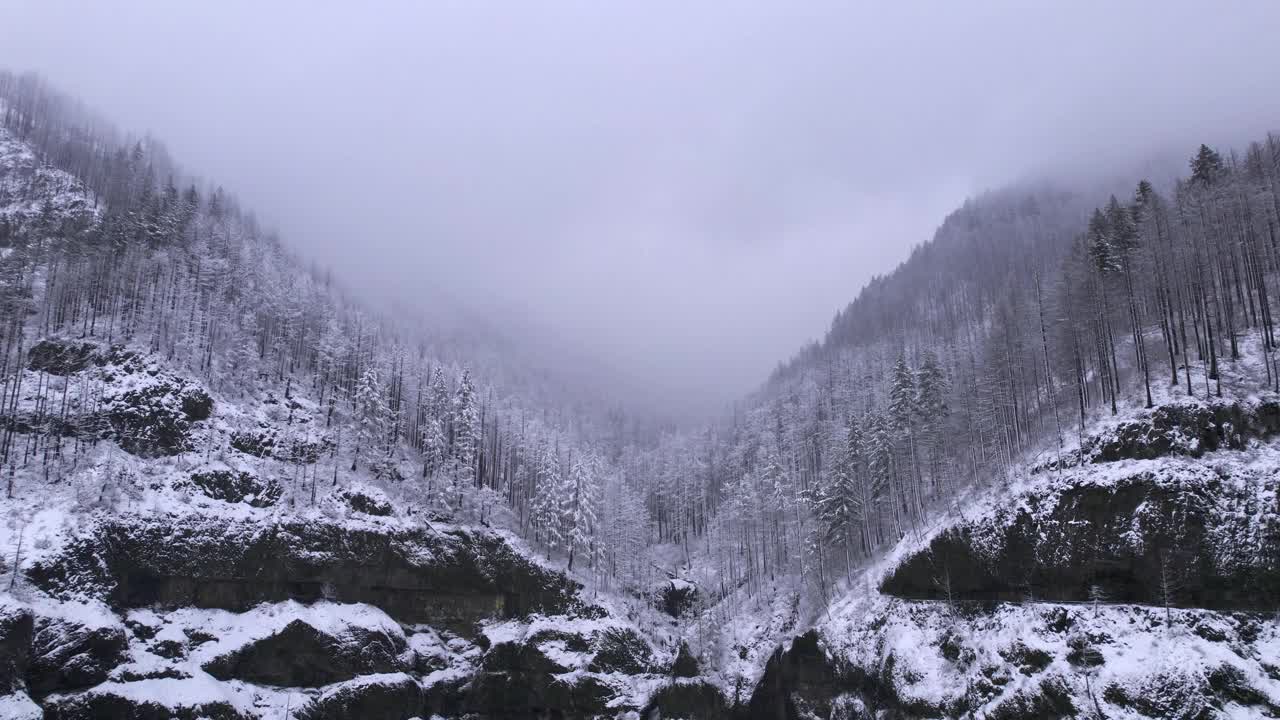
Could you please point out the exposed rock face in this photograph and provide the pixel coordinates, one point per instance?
(366, 501)
(685, 665)
(622, 650)
(927, 660)
(237, 487)
(67, 654)
(557, 667)
(1186, 429)
(144, 407)
(375, 697)
(58, 357)
(1200, 538)
(192, 587)
(300, 655)
(266, 441)
(688, 700)
(145, 700)
(17, 625)
(675, 597)
(414, 574)
(801, 679)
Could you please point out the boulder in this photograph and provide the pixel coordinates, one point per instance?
(300, 655)
(392, 696)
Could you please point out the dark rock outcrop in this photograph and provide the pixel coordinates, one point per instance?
(300, 655)
(146, 423)
(114, 700)
(623, 650)
(513, 693)
(266, 441)
(17, 626)
(688, 700)
(675, 597)
(800, 678)
(1186, 429)
(1200, 540)
(365, 501)
(59, 357)
(236, 487)
(66, 654)
(378, 697)
(416, 575)
(145, 408)
(685, 665)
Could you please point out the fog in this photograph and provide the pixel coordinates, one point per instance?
(679, 193)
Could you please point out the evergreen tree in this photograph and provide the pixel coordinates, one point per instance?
(584, 483)
(1206, 167)
(837, 503)
(465, 418)
(902, 395)
(371, 415)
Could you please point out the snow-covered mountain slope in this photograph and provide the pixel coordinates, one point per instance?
(1141, 583)
(175, 569)
(231, 493)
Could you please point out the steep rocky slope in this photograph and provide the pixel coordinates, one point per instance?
(1141, 583)
(177, 569)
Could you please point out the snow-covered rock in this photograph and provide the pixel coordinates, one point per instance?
(17, 624)
(389, 696)
(303, 655)
(1199, 533)
(450, 578)
(928, 659)
(159, 699)
(74, 645)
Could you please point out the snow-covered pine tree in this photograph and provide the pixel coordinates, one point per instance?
(838, 499)
(370, 416)
(465, 423)
(585, 486)
(931, 405)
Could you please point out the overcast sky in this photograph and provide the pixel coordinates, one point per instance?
(686, 190)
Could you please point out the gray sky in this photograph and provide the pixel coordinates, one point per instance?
(686, 191)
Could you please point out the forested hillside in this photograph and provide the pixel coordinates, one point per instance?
(1031, 315)
(197, 427)
(108, 242)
